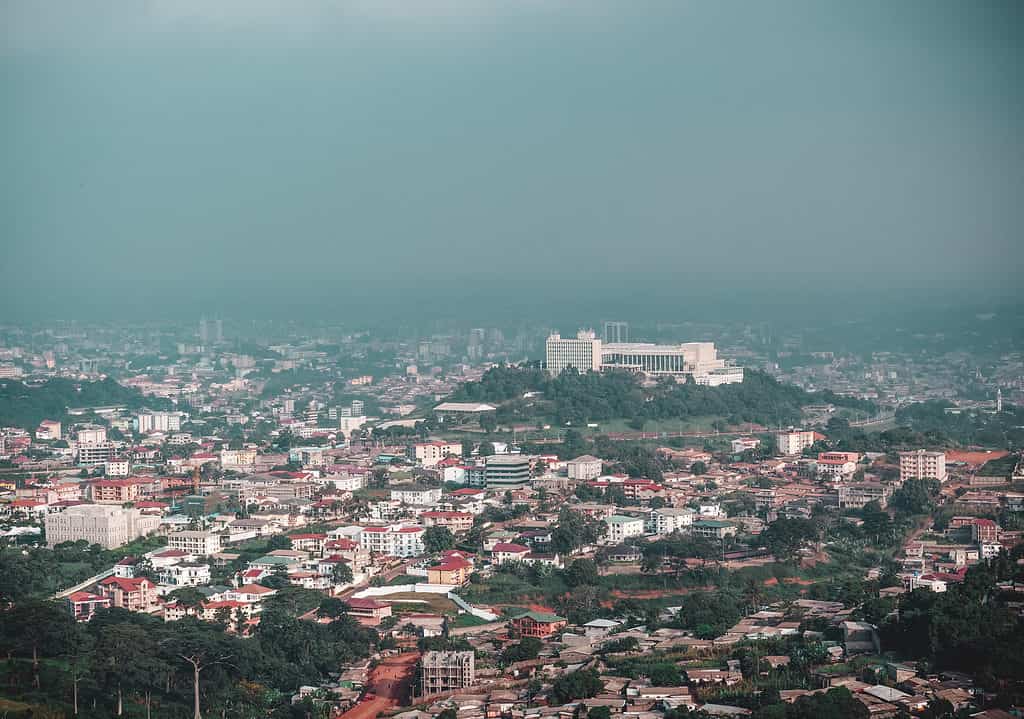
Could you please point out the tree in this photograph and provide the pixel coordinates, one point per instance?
(698, 468)
(916, 496)
(202, 652)
(601, 712)
(438, 539)
(527, 648)
(342, 573)
(784, 537)
(581, 684)
(332, 607)
(486, 449)
(582, 571)
(488, 422)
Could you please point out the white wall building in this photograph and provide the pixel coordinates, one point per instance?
(195, 542)
(106, 525)
(621, 528)
(582, 352)
(794, 442)
(394, 540)
(921, 464)
(670, 519)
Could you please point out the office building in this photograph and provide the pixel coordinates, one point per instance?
(621, 527)
(506, 471)
(921, 464)
(446, 671)
(584, 467)
(105, 525)
(583, 353)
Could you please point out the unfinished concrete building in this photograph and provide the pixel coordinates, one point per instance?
(446, 671)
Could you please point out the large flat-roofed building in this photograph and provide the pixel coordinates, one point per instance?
(106, 525)
(921, 464)
(446, 671)
(586, 353)
(583, 352)
(506, 471)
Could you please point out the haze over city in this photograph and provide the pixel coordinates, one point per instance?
(253, 157)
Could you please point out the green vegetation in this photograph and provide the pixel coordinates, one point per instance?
(973, 626)
(576, 685)
(120, 659)
(580, 398)
(40, 572)
(26, 406)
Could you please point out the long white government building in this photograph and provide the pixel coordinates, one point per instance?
(586, 353)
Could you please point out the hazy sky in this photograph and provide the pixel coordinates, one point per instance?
(339, 155)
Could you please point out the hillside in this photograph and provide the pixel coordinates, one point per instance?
(594, 397)
(26, 406)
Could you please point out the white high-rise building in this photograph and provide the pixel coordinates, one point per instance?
(794, 442)
(105, 525)
(921, 464)
(582, 353)
(158, 422)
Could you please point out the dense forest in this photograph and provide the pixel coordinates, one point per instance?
(24, 405)
(121, 659)
(580, 398)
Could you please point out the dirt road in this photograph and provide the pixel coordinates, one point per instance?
(390, 686)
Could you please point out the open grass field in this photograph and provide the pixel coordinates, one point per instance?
(412, 602)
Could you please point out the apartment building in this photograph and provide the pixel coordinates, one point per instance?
(835, 465)
(428, 454)
(667, 520)
(621, 528)
(416, 494)
(455, 521)
(393, 541)
(195, 542)
(921, 464)
(795, 442)
(584, 468)
(855, 496)
(115, 491)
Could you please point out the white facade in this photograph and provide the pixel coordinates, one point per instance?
(429, 454)
(922, 465)
(621, 528)
(671, 519)
(195, 542)
(425, 496)
(582, 353)
(794, 442)
(394, 541)
(105, 525)
(158, 422)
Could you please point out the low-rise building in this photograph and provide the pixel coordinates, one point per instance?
(584, 468)
(195, 542)
(621, 527)
(537, 624)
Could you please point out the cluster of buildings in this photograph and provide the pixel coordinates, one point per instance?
(586, 352)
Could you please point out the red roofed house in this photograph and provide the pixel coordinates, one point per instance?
(452, 570)
(837, 464)
(506, 552)
(136, 595)
(84, 605)
(249, 593)
(368, 611)
(984, 530)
